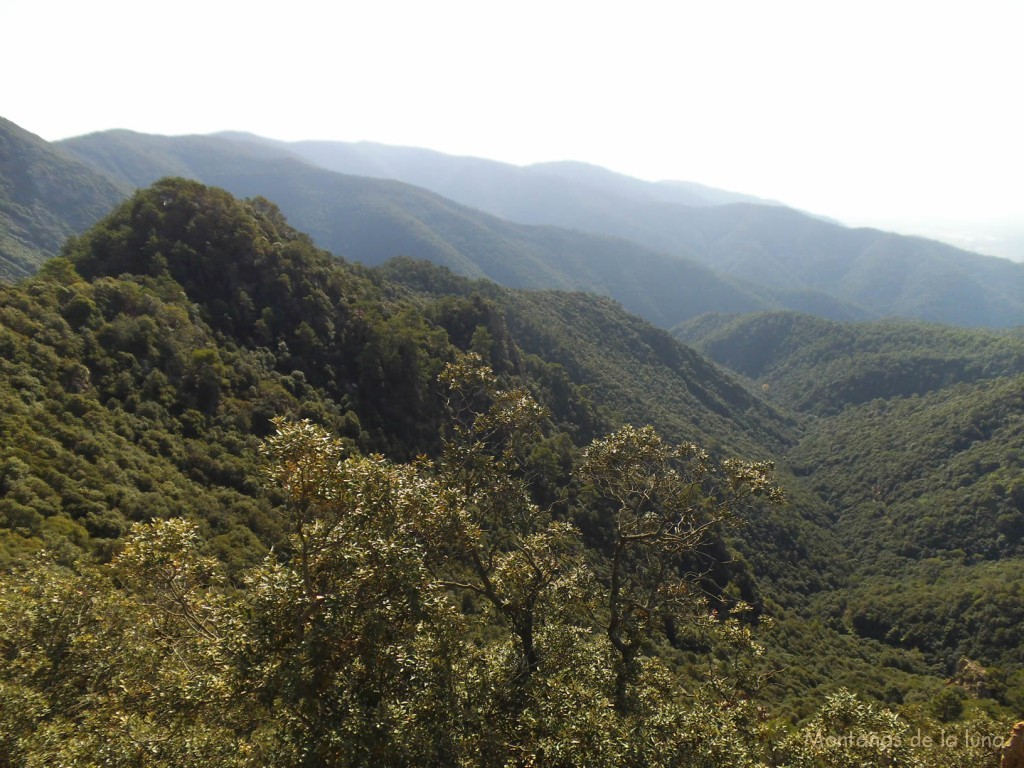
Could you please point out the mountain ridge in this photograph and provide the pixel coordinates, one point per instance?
(772, 252)
(777, 258)
(372, 220)
(771, 246)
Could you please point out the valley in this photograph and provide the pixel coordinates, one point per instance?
(188, 322)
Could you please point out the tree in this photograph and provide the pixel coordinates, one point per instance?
(354, 644)
(500, 546)
(121, 664)
(665, 503)
(345, 636)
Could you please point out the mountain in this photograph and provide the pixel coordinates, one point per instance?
(768, 246)
(928, 487)
(512, 192)
(915, 440)
(142, 371)
(776, 257)
(635, 241)
(152, 358)
(46, 195)
(687, 193)
(358, 338)
(814, 365)
(888, 274)
(372, 220)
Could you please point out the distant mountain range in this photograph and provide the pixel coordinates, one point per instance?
(372, 220)
(667, 251)
(768, 246)
(517, 193)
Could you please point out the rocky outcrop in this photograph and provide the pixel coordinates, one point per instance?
(973, 678)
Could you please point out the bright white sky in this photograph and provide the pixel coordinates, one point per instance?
(865, 111)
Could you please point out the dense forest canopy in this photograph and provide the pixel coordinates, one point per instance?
(262, 506)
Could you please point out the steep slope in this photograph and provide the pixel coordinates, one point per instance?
(769, 246)
(371, 220)
(45, 196)
(929, 490)
(814, 365)
(226, 315)
(262, 286)
(916, 443)
(638, 374)
(140, 372)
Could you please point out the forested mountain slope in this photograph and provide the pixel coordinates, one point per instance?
(638, 374)
(930, 489)
(770, 246)
(141, 373)
(915, 442)
(46, 195)
(229, 315)
(814, 365)
(638, 370)
(372, 220)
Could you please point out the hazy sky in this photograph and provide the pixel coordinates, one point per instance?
(865, 111)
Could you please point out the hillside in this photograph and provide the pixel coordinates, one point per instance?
(818, 366)
(142, 372)
(370, 221)
(915, 442)
(768, 246)
(887, 274)
(279, 319)
(46, 195)
(321, 320)
(929, 489)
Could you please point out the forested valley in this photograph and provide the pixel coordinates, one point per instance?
(260, 505)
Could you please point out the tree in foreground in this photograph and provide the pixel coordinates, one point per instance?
(428, 613)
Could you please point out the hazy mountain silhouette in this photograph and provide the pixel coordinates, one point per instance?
(766, 245)
(372, 220)
(765, 256)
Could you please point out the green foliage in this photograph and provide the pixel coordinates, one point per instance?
(490, 592)
(595, 367)
(127, 413)
(46, 195)
(916, 447)
(262, 286)
(819, 366)
(664, 504)
(927, 488)
(347, 647)
(847, 732)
